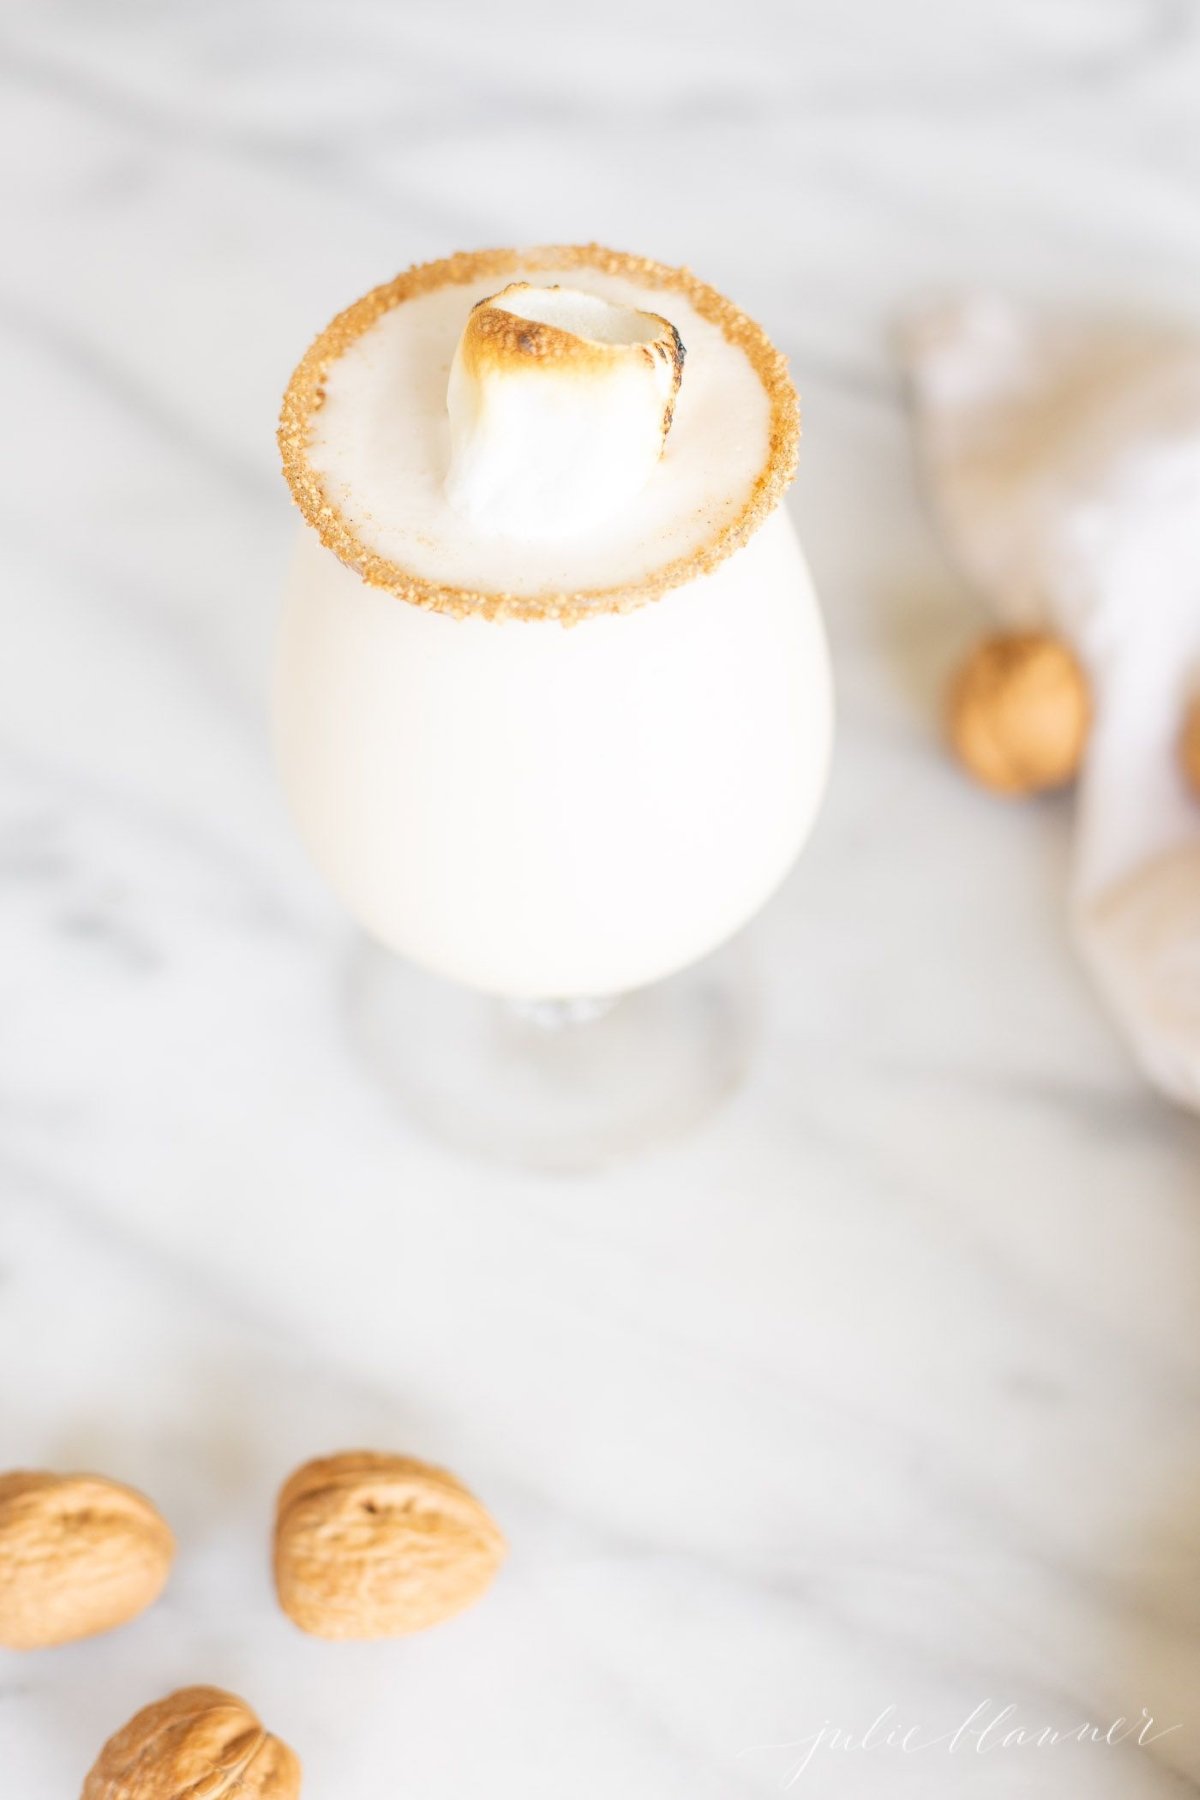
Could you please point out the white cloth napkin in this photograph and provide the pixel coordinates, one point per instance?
(1065, 465)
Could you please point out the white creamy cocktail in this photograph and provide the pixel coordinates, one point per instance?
(553, 704)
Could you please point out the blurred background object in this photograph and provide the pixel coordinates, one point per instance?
(1064, 459)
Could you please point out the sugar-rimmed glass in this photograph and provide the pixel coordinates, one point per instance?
(550, 832)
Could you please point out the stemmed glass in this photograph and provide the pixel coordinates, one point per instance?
(552, 834)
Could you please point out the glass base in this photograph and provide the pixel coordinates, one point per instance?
(558, 1084)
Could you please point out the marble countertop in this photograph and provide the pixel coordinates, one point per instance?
(879, 1397)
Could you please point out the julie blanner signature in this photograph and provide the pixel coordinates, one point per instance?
(990, 1727)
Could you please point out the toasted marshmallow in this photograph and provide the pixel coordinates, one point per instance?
(560, 404)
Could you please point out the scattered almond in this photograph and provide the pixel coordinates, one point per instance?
(374, 1546)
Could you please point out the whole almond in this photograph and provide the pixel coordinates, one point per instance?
(373, 1546)
(78, 1555)
(198, 1744)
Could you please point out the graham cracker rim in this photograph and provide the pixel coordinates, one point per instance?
(306, 392)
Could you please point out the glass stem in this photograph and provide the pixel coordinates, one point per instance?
(560, 1015)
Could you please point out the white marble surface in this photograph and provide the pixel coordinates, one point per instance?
(882, 1391)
